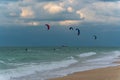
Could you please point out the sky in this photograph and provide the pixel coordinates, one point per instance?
(22, 22)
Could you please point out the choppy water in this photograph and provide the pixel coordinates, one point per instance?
(42, 63)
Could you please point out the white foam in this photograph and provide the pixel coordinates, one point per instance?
(102, 61)
(59, 67)
(106, 59)
(3, 77)
(87, 54)
(32, 68)
(2, 62)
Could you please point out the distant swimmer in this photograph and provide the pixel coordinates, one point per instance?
(26, 49)
(54, 49)
(64, 46)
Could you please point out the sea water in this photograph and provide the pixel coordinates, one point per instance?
(42, 63)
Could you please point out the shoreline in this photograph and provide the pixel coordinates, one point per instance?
(109, 73)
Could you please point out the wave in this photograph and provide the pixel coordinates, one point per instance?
(3, 77)
(87, 54)
(72, 62)
(32, 68)
(106, 58)
(2, 62)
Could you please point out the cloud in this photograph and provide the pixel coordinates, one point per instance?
(28, 0)
(27, 12)
(109, 0)
(33, 23)
(71, 1)
(53, 8)
(8, 0)
(70, 9)
(80, 13)
(69, 22)
(47, 0)
(59, 11)
(13, 14)
(101, 12)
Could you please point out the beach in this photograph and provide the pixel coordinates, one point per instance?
(109, 73)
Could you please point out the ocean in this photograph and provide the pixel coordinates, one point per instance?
(42, 63)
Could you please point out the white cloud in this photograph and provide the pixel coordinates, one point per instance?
(80, 13)
(33, 23)
(27, 12)
(13, 14)
(70, 9)
(53, 8)
(69, 22)
(101, 12)
(29, 23)
(71, 1)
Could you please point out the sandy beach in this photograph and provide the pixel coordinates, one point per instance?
(110, 73)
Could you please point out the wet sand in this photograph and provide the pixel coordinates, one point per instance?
(110, 73)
